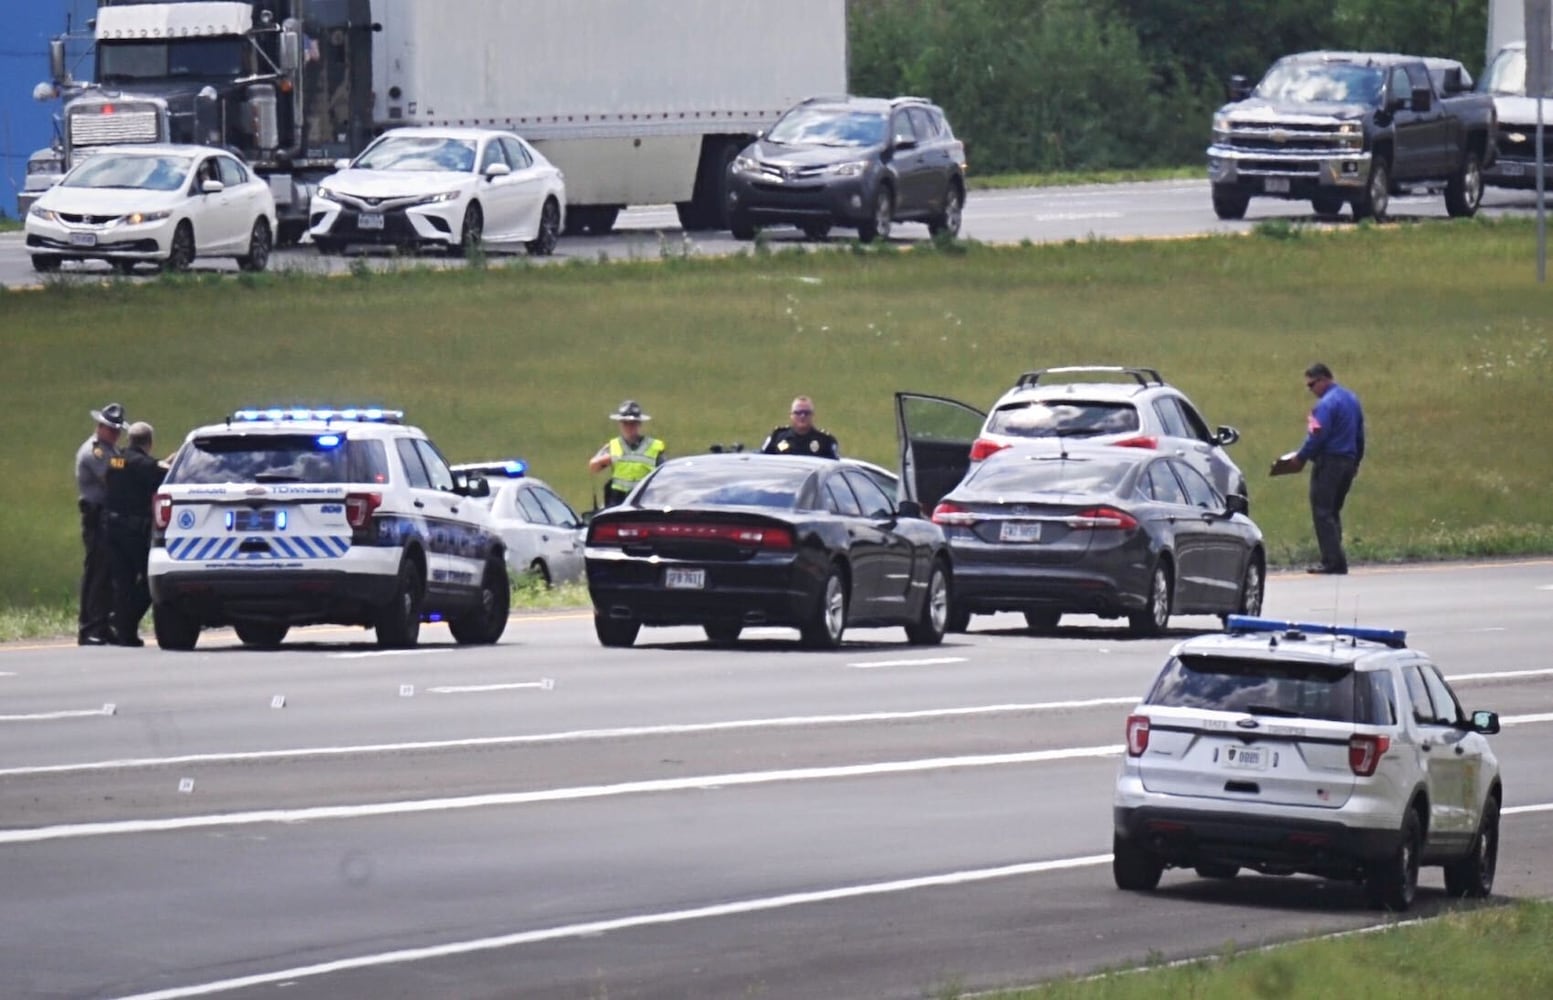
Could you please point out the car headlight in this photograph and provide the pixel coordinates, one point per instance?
(437, 199)
(47, 215)
(140, 218)
(1350, 134)
(324, 194)
(1221, 124)
(746, 164)
(850, 169)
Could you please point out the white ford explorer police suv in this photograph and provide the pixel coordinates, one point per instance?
(1288, 747)
(284, 517)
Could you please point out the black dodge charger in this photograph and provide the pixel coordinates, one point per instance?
(733, 540)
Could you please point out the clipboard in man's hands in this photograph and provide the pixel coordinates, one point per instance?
(1287, 465)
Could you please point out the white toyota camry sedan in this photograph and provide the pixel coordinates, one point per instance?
(543, 533)
(454, 188)
(157, 204)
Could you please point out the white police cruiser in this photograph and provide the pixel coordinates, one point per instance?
(1289, 747)
(283, 517)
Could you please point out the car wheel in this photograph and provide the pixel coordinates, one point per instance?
(1473, 876)
(1217, 871)
(1252, 587)
(1372, 204)
(484, 625)
(724, 633)
(1393, 883)
(258, 256)
(174, 628)
(878, 227)
(1464, 191)
(930, 626)
(46, 263)
(615, 632)
(816, 230)
(959, 619)
(1133, 867)
(470, 234)
(541, 572)
(948, 221)
(601, 221)
(1156, 614)
(1229, 203)
(740, 226)
(290, 233)
(1327, 205)
(828, 618)
(123, 268)
(1042, 622)
(543, 245)
(398, 623)
(264, 635)
(180, 256)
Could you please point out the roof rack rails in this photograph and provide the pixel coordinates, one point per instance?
(905, 98)
(350, 414)
(1143, 376)
(1239, 624)
(826, 99)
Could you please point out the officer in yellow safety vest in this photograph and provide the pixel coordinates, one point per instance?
(629, 457)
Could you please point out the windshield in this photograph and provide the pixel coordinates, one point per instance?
(1506, 74)
(1012, 473)
(1309, 83)
(280, 458)
(405, 152)
(201, 57)
(829, 127)
(1067, 418)
(692, 483)
(1278, 688)
(148, 173)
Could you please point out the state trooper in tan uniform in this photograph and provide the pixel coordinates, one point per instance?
(91, 477)
(629, 457)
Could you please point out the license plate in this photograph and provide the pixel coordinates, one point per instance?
(1248, 758)
(253, 520)
(369, 220)
(1276, 185)
(684, 579)
(1512, 169)
(83, 239)
(1020, 531)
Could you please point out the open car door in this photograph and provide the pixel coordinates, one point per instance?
(935, 435)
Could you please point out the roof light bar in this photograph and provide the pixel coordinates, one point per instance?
(512, 468)
(1394, 637)
(277, 414)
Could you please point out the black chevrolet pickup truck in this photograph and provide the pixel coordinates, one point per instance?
(1352, 127)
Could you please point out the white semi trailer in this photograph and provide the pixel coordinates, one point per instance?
(638, 101)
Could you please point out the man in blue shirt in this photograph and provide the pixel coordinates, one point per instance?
(1334, 445)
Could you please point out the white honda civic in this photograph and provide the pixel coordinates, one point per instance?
(454, 188)
(157, 204)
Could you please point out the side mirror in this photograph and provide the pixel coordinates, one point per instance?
(1394, 104)
(1486, 723)
(342, 164)
(903, 142)
(212, 187)
(1423, 99)
(1225, 436)
(290, 48)
(1236, 503)
(57, 71)
(496, 170)
(1239, 88)
(478, 487)
(1451, 82)
(910, 508)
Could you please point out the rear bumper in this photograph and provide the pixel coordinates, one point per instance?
(987, 587)
(1188, 837)
(294, 597)
(762, 591)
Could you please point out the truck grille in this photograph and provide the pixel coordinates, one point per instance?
(96, 129)
(1519, 142)
(1291, 138)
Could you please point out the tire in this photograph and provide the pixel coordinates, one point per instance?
(930, 626)
(816, 230)
(180, 256)
(259, 244)
(543, 245)
(740, 226)
(959, 620)
(601, 221)
(708, 205)
(615, 632)
(263, 635)
(123, 268)
(1464, 191)
(1151, 621)
(328, 247)
(484, 625)
(1473, 876)
(878, 227)
(540, 570)
(1221, 871)
(289, 232)
(46, 263)
(1327, 205)
(1228, 203)
(1042, 622)
(827, 620)
(471, 234)
(398, 623)
(724, 633)
(1393, 883)
(174, 628)
(1133, 868)
(1253, 588)
(1372, 204)
(948, 221)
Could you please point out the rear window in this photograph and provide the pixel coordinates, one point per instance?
(745, 484)
(1016, 474)
(318, 457)
(1063, 418)
(1277, 689)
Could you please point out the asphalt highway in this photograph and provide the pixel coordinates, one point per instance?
(547, 818)
(1157, 210)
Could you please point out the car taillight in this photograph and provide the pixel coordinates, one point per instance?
(1141, 441)
(760, 536)
(1102, 519)
(1137, 735)
(162, 511)
(952, 513)
(359, 508)
(982, 447)
(1365, 752)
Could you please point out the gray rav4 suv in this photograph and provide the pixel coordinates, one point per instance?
(860, 162)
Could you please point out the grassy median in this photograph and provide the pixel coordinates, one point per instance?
(1440, 327)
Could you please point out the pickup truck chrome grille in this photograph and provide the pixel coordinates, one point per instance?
(96, 129)
(1301, 138)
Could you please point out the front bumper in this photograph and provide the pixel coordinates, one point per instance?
(844, 201)
(435, 224)
(1291, 174)
(148, 241)
(1515, 171)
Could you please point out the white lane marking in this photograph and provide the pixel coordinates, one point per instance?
(1499, 675)
(542, 685)
(386, 652)
(1523, 720)
(932, 661)
(597, 927)
(705, 782)
(573, 736)
(1540, 807)
(6, 673)
(47, 716)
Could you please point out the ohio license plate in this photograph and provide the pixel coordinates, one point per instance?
(1249, 758)
(369, 220)
(83, 239)
(1276, 185)
(1020, 531)
(684, 579)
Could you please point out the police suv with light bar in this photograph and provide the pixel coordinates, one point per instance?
(1290, 747)
(282, 517)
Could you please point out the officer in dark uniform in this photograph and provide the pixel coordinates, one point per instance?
(91, 470)
(800, 436)
(133, 479)
(1334, 446)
